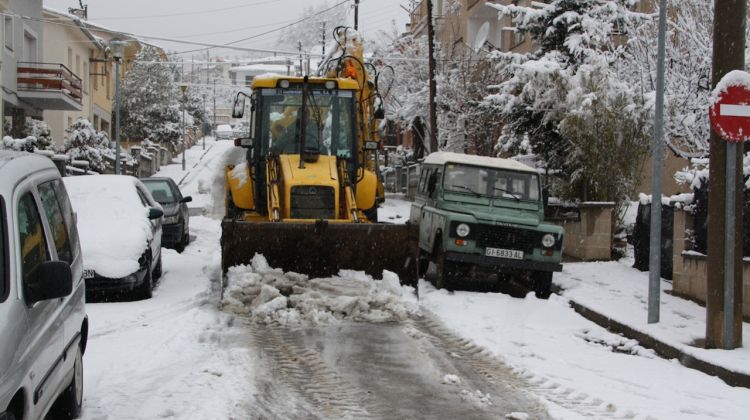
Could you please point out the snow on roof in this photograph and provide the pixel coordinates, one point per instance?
(441, 158)
(113, 224)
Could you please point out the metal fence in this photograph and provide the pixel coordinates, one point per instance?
(402, 179)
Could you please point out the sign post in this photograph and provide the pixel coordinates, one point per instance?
(730, 120)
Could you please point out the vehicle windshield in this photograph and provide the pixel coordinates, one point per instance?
(161, 191)
(329, 122)
(491, 182)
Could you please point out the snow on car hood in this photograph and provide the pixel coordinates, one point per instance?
(268, 295)
(112, 223)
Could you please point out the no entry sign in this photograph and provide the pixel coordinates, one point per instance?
(730, 109)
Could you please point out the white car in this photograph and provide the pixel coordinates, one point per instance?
(224, 132)
(120, 226)
(43, 322)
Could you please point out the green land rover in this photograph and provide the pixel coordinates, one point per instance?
(484, 213)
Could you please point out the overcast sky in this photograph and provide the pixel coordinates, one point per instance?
(200, 20)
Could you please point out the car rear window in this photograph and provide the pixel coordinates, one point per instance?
(161, 191)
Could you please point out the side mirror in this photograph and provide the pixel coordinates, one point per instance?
(186, 199)
(238, 110)
(50, 280)
(154, 213)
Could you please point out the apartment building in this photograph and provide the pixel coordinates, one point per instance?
(31, 83)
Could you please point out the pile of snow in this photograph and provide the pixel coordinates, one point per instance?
(269, 295)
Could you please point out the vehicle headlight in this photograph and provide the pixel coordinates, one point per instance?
(171, 219)
(463, 230)
(548, 240)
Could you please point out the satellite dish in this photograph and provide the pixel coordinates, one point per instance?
(481, 36)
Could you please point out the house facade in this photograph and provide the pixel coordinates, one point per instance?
(69, 42)
(32, 83)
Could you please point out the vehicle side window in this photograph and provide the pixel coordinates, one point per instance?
(31, 236)
(423, 180)
(143, 198)
(3, 247)
(50, 194)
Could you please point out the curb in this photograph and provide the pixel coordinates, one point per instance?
(663, 349)
(189, 171)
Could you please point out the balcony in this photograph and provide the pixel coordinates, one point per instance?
(49, 86)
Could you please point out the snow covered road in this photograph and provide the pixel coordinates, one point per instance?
(282, 346)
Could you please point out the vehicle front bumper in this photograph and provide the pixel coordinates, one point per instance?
(502, 263)
(104, 284)
(172, 234)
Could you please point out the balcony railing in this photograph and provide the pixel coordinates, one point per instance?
(49, 77)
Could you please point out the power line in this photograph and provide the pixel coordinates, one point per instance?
(277, 29)
(200, 12)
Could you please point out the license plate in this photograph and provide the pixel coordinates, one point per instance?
(88, 273)
(504, 253)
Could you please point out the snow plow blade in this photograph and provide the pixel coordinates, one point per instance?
(322, 249)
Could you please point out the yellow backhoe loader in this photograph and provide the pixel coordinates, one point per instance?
(307, 196)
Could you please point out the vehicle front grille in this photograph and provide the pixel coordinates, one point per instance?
(313, 202)
(507, 238)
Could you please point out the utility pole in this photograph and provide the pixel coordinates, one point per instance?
(301, 68)
(433, 84)
(356, 15)
(324, 39)
(214, 127)
(654, 267)
(724, 281)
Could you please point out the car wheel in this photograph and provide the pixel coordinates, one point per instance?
(542, 284)
(157, 269)
(69, 403)
(145, 290)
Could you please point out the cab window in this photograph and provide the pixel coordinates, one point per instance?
(31, 237)
(56, 221)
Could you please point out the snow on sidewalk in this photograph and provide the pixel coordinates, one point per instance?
(201, 167)
(620, 292)
(570, 359)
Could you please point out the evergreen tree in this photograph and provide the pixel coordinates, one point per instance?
(149, 95)
(567, 103)
(85, 143)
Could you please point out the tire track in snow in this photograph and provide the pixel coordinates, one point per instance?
(483, 362)
(304, 371)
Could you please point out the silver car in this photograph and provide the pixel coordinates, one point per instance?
(43, 322)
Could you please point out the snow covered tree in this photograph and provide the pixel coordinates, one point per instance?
(85, 143)
(149, 108)
(310, 31)
(465, 123)
(688, 74)
(403, 82)
(565, 100)
(41, 133)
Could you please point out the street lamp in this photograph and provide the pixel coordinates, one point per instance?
(205, 123)
(117, 47)
(183, 88)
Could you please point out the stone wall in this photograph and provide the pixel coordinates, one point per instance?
(691, 269)
(589, 237)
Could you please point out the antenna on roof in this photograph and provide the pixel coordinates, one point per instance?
(82, 13)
